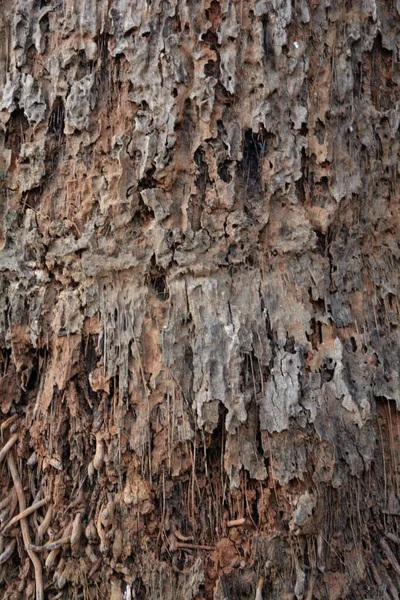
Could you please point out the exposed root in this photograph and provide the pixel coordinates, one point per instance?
(7, 446)
(64, 541)
(98, 458)
(6, 501)
(28, 511)
(9, 549)
(13, 505)
(94, 568)
(51, 559)
(259, 589)
(8, 422)
(24, 526)
(43, 527)
(4, 515)
(76, 529)
(389, 555)
(102, 535)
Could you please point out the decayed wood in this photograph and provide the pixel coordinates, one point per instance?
(199, 281)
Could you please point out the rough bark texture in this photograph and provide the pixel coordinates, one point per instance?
(199, 299)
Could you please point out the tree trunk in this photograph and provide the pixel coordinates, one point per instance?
(199, 309)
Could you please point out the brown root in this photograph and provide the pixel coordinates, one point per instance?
(28, 511)
(43, 527)
(24, 527)
(8, 446)
(64, 541)
(9, 549)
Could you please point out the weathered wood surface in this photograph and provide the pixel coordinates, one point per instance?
(199, 230)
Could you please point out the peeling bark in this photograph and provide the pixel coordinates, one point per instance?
(199, 276)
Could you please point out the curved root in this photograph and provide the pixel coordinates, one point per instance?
(9, 549)
(37, 565)
(7, 446)
(25, 513)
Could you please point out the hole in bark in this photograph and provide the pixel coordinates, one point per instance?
(31, 198)
(211, 38)
(213, 14)
(90, 353)
(158, 281)
(357, 69)
(290, 346)
(102, 47)
(254, 149)
(316, 333)
(56, 118)
(147, 182)
(144, 214)
(211, 69)
(268, 46)
(16, 127)
(33, 378)
(223, 171)
(320, 131)
(321, 241)
(55, 140)
(328, 370)
(197, 202)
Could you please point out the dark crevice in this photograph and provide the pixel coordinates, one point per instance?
(16, 128)
(158, 281)
(254, 149)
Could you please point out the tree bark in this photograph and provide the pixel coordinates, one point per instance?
(199, 275)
